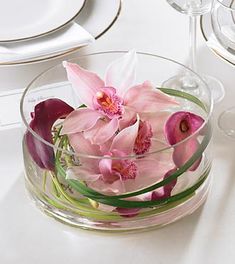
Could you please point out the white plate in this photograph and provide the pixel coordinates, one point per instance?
(227, 54)
(32, 18)
(97, 17)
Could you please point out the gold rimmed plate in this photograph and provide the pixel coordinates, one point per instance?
(22, 20)
(227, 54)
(96, 16)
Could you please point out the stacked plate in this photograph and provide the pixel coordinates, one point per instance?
(227, 53)
(37, 30)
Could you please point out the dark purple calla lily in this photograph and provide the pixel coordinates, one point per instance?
(44, 116)
(178, 127)
(128, 212)
(165, 191)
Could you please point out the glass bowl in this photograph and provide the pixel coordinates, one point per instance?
(140, 204)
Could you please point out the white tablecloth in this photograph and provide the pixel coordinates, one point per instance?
(208, 236)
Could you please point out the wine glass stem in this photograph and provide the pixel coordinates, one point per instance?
(192, 42)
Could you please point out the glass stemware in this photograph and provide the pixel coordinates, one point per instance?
(223, 23)
(194, 8)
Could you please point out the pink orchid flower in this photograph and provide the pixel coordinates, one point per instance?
(120, 175)
(178, 127)
(112, 104)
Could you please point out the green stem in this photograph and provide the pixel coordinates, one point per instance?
(144, 204)
(64, 194)
(44, 180)
(184, 95)
(57, 134)
(104, 216)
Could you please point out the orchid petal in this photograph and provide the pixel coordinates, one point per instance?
(82, 173)
(105, 147)
(153, 168)
(105, 166)
(85, 83)
(128, 117)
(80, 120)
(122, 72)
(157, 121)
(44, 116)
(116, 187)
(102, 131)
(161, 152)
(150, 171)
(146, 98)
(125, 140)
(82, 145)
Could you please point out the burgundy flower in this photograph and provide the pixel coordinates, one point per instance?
(165, 191)
(128, 212)
(178, 127)
(44, 116)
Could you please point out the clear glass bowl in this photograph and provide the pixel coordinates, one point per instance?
(79, 204)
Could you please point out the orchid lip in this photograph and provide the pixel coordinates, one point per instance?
(108, 102)
(126, 169)
(143, 140)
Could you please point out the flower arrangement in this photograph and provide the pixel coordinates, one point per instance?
(123, 150)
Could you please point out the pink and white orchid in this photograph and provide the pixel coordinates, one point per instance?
(112, 104)
(122, 173)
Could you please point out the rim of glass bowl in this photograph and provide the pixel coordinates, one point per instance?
(210, 108)
(226, 6)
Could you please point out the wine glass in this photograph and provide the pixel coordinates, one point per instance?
(223, 23)
(194, 8)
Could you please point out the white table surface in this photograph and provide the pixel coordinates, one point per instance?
(208, 236)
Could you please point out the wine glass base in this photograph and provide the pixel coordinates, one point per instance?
(216, 88)
(182, 82)
(187, 83)
(226, 122)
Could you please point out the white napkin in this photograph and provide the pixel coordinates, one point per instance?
(227, 54)
(63, 40)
